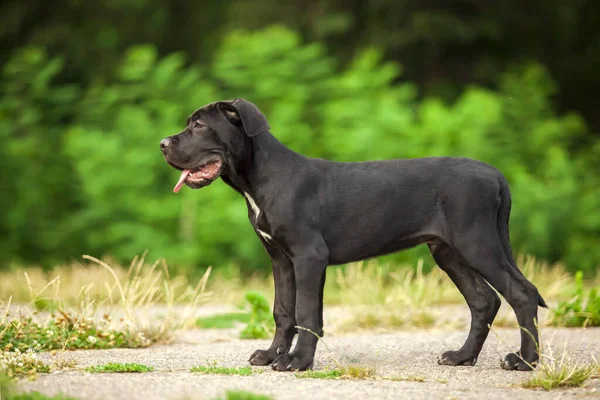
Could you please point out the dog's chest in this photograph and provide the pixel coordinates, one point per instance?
(260, 228)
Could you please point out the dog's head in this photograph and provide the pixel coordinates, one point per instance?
(215, 138)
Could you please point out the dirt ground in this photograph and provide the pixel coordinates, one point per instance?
(404, 354)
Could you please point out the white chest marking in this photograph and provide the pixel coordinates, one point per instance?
(256, 212)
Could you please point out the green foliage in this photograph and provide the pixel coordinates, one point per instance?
(113, 367)
(38, 396)
(222, 321)
(324, 374)
(261, 323)
(582, 308)
(214, 369)
(8, 391)
(102, 186)
(243, 395)
(64, 332)
(341, 372)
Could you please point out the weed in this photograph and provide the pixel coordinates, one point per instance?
(17, 364)
(223, 321)
(214, 369)
(372, 283)
(442, 380)
(243, 395)
(45, 304)
(139, 289)
(552, 373)
(146, 286)
(581, 309)
(341, 372)
(563, 372)
(65, 332)
(62, 362)
(261, 324)
(411, 378)
(8, 392)
(112, 367)
(37, 396)
(370, 319)
(323, 374)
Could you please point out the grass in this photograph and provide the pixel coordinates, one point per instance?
(8, 391)
(415, 378)
(115, 319)
(67, 332)
(562, 372)
(17, 364)
(261, 324)
(341, 372)
(558, 372)
(215, 369)
(124, 317)
(223, 321)
(113, 367)
(259, 319)
(581, 308)
(37, 396)
(243, 395)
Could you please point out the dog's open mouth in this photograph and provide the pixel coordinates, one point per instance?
(200, 176)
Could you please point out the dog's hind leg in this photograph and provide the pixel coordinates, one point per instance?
(482, 249)
(480, 297)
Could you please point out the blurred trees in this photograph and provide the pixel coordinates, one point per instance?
(85, 100)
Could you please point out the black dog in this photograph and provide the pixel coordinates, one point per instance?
(310, 213)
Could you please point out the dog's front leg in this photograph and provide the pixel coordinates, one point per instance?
(308, 268)
(283, 308)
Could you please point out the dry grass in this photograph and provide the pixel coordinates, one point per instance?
(141, 299)
(561, 372)
(373, 283)
(381, 296)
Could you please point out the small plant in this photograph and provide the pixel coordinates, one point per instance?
(413, 378)
(581, 309)
(8, 391)
(243, 395)
(65, 331)
(324, 374)
(223, 321)
(563, 372)
(37, 396)
(341, 372)
(214, 369)
(261, 324)
(112, 367)
(17, 364)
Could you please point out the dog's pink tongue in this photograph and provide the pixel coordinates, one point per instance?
(184, 175)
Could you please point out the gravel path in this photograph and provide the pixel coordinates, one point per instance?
(399, 354)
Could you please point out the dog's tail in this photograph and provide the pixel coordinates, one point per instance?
(503, 218)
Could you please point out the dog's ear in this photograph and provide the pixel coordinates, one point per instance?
(227, 108)
(253, 121)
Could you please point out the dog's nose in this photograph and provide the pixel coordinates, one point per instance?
(165, 143)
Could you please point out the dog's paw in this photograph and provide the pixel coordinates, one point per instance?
(513, 362)
(292, 362)
(457, 358)
(262, 357)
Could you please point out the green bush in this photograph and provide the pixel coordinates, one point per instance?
(581, 309)
(261, 324)
(99, 185)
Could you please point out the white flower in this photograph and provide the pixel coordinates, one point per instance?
(92, 339)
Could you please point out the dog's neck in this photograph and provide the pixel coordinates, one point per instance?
(267, 158)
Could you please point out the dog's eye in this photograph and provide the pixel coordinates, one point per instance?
(199, 124)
